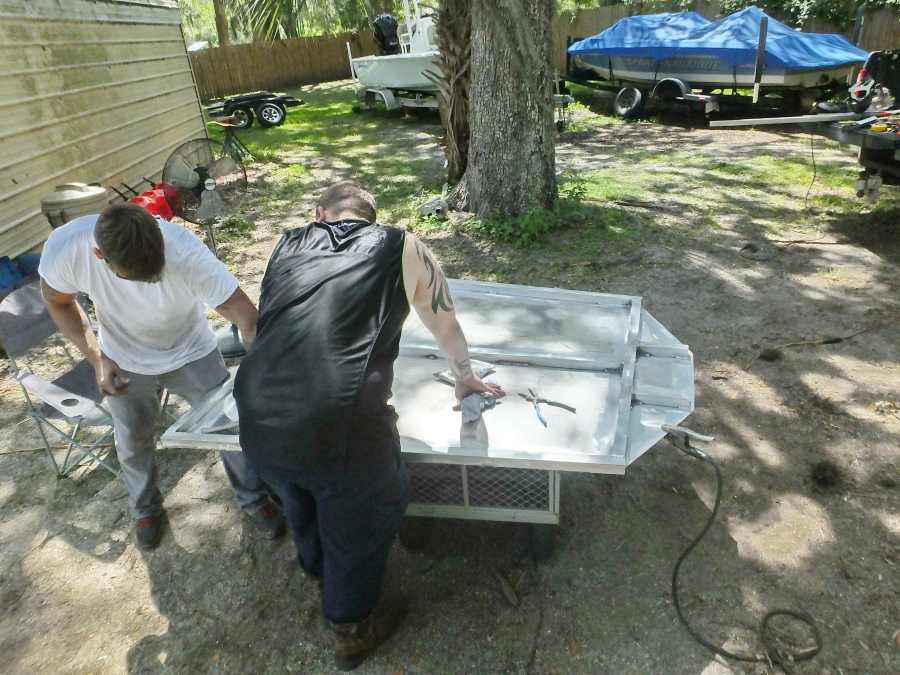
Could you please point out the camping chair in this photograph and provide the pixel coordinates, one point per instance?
(64, 406)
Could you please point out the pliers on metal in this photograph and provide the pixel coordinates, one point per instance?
(535, 400)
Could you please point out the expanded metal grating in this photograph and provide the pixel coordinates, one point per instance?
(436, 484)
(487, 486)
(509, 488)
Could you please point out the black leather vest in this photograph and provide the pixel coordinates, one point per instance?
(313, 389)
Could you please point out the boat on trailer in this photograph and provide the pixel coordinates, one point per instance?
(403, 75)
(675, 54)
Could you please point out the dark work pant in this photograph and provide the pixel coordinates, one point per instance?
(343, 522)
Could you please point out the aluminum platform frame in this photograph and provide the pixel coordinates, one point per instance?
(625, 374)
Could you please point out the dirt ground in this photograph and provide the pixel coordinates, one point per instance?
(76, 596)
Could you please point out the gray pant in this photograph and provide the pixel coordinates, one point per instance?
(134, 419)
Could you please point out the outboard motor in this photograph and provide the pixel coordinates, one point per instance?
(878, 82)
(386, 34)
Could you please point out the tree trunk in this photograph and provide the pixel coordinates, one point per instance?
(221, 22)
(454, 39)
(511, 164)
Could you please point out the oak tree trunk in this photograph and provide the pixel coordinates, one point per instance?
(221, 22)
(511, 158)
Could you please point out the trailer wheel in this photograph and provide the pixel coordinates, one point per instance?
(543, 541)
(628, 102)
(270, 114)
(243, 118)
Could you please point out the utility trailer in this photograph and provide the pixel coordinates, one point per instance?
(621, 372)
(879, 154)
(269, 109)
(877, 135)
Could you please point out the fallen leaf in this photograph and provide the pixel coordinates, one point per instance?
(506, 588)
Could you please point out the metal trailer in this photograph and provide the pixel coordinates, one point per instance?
(605, 356)
(879, 151)
(368, 98)
(879, 154)
(269, 109)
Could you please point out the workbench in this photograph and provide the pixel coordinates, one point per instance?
(603, 355)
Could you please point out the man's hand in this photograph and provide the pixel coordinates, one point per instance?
(110, 378)
(474, 384)
(240, 310)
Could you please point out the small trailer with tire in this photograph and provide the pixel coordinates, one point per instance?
(269, 109)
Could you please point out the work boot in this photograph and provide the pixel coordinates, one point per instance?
(354, 642)
(268, 518)
(148, 531)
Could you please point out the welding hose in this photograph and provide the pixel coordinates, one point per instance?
(774, 654)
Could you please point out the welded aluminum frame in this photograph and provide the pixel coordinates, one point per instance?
(636, 345)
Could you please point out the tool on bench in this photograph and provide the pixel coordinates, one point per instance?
(533, 398)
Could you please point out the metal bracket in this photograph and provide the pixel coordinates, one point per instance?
(681, 438)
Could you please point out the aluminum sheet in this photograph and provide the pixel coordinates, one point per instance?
(622, 371)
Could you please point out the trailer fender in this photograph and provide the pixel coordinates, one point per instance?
(670, 88)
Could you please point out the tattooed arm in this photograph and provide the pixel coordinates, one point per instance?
(428, 293)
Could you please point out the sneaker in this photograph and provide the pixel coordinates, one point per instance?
(268, 519)
(355, 642)
(148, 531)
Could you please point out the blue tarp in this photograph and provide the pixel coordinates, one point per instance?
(733, 39)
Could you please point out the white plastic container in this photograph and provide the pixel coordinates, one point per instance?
(71, 200)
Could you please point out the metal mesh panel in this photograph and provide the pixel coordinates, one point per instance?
(509, 488)
(435, 484)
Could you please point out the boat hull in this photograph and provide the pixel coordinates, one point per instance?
(401, 72)
(701, 71)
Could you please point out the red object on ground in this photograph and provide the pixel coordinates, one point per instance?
(162, 200)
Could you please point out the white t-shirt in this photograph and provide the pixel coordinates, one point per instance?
(146, 328)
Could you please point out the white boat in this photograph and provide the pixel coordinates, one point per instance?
(404, 72)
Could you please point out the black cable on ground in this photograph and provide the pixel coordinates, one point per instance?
(812, 156)
(775, 654)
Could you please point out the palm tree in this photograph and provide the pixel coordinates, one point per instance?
(284, 19)
(221, 22)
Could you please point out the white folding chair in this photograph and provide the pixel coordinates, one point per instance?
(66, 406)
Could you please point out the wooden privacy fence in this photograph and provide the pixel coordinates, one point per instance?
(288, 63)
(235, 69)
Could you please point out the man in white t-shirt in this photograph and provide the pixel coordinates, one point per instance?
(151, 282)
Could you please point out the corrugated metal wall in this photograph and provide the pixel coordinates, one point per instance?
(90, 91)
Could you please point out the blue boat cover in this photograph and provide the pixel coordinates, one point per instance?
(733, 39)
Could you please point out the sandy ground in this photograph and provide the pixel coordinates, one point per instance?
(76, 596)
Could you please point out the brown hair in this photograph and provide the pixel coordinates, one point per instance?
(130, 240)
(348, 196)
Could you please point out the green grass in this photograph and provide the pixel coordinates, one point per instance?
(325, 134)
(644, 194)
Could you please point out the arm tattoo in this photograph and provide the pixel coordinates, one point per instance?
(437, 284)
(462, 368)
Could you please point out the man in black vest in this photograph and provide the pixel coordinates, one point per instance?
(312, 398)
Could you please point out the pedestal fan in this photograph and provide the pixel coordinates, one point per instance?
(211, 182)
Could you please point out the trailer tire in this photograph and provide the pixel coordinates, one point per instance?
(243, 118)
(629, 102)
(270, 114)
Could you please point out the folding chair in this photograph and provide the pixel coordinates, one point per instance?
(68, 404)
